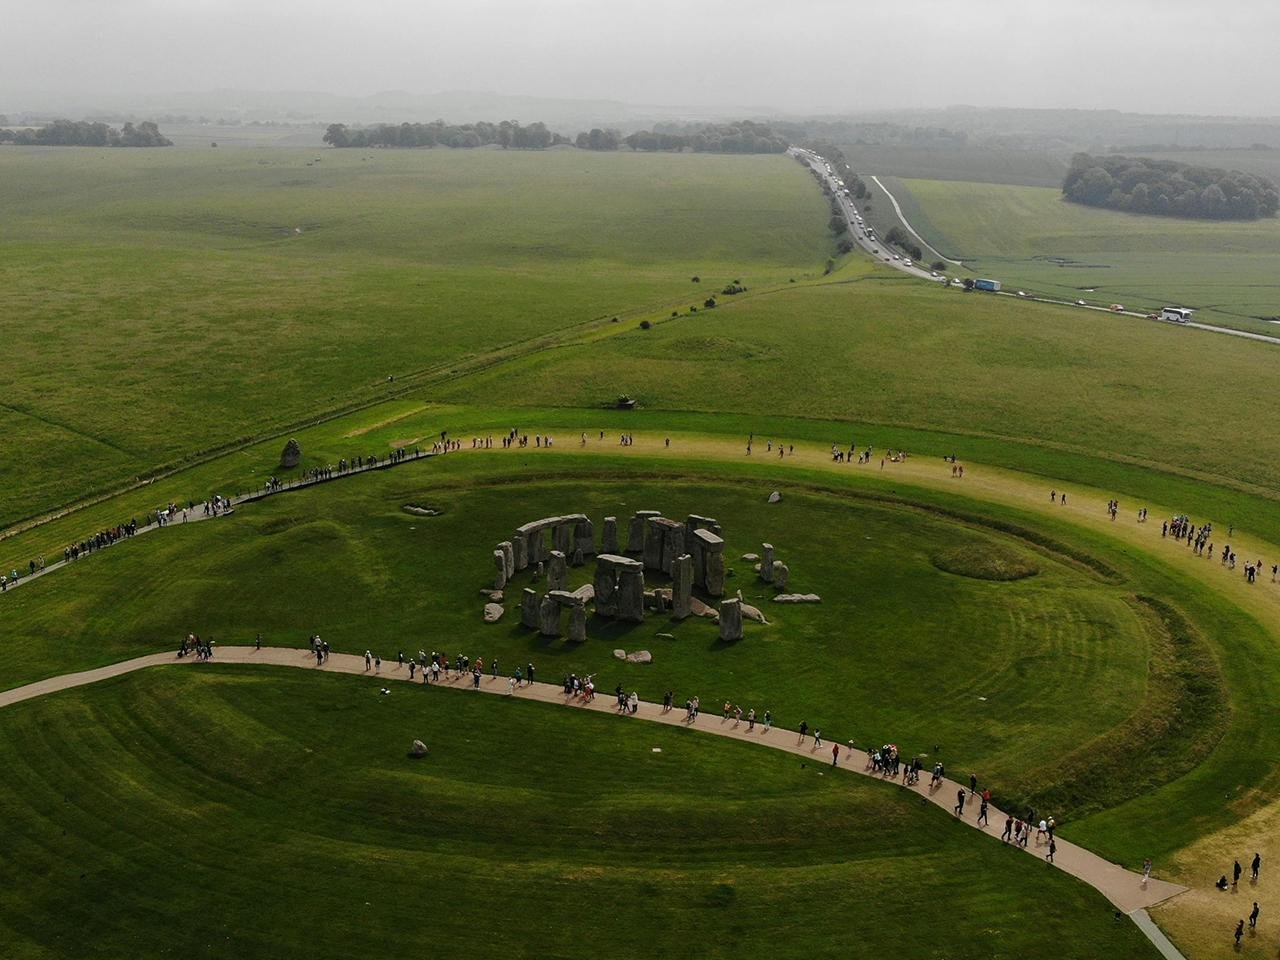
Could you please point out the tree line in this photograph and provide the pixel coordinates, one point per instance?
(508, 133)
(744, 136)
(1168, 188)
(87, 133)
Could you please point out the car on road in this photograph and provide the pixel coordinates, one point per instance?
(897, 256)
(933, 273)
(1081, 303)
(1022, 293)
(908, 263)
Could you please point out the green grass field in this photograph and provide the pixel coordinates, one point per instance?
(248, 813)
(160, 303)
(1030, 238)
(185, 308)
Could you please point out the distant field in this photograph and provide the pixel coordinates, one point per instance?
(1030, 238)
(977, 164)
(159, 302)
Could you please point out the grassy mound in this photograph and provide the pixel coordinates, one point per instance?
(985, 560)
(241, 812)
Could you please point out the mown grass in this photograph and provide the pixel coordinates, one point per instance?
(993, 674)
(1030, 238)
(167, 302)
(266, 813)
(909, 355)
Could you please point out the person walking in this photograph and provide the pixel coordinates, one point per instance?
(1239, 932)
(1236, 870)
(958, 809)
(804, 730)
(1146, 870)
(1007, 834)
(982, 812)
(1256, 866)
(835, 754)
(1053, 849)
(1253, 916)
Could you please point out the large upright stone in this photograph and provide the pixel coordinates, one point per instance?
(781, 575)
(631, 595)
(606, 586)
(578, 623)
(653, 543)
(549, 617)
(731, 620)
(609, 535)
(529, 608)
(682, 586)
(712, 562)
(537, 547)
(500, 578)
(557, 571)
(562, 537)
(520, 550)
(291, 455)
(584, 538)
(638, 529)
(766, 562)
(509, 557)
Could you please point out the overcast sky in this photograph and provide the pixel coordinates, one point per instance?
(800, 56)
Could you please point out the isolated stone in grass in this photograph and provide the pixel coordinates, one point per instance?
(291, 456)
(418, 750)
(493, 612)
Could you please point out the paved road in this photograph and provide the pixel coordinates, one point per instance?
(859, 232)
(912, 230)
(1126, 890)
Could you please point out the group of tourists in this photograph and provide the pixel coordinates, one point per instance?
(1255, 868)
(194, 646)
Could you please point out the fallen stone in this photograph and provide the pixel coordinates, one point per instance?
(291, 455)
(665, 636)
(493, 596)
(753, 613)
(422, 511)
(700, 609)
(418, 750)
(751, 558)
(775, 497)
(797, 598)
(640, 656)
(620, 654)
(493, 612)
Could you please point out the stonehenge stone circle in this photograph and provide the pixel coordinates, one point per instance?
(578, 623)
(549, 617)
(731, 620)
(619, 588)
(781, 574)
(509, 557)
(766, 562)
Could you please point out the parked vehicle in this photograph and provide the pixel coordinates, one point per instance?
(1177, 314)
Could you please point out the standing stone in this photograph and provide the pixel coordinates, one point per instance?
(578, 623)
(500, 579)
(712, 562)
(672, 545)
(529, 608)
(639, 529)
(291, 455)
(653, 543)
(766, 562)
(520, 550)
(549, 618)
(562, 538)
(537, 547)
(584, 538)
(606, 591)
(781, 574)
(631, 595)
(731, 620)
(682, 586)
(577, 559)
(557, 572)
(609, 535)
(509, 557)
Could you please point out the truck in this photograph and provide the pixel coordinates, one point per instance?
(990, 286)
(1177, 314)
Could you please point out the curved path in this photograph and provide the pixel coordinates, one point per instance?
(1125, 889)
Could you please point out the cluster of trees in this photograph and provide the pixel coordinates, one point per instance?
(742, 137)
(508, 133)
(897, 237)
(1169, 188)
(86, 133)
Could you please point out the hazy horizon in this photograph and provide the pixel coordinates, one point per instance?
(812, 57)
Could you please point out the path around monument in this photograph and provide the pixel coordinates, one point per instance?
(1126, 890)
